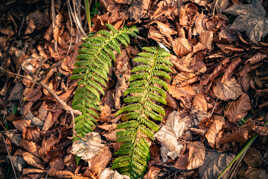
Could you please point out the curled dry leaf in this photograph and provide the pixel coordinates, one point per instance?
(230, 69)
(200, 103)
(214, 129)
(187, 14)
(152, 173)
(165, 29)
(237, 110)
(184, 94)
(171, 102)
(21, 124)
(107, 173)
(196, 156)
(32, 160)
(184, 78)
(238, 135)
(91, 149)
(181, 46)
(98, 163)
(214, 164)
(169, 133)
(229, 89)
(49, 122)
(256, 58)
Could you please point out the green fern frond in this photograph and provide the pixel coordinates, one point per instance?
(92, 68)
(146, 90)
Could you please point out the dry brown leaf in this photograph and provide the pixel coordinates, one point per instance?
(32, 160)
(171, 102)
(187, 14)
(138, 9)
(152, 173)
(214, 129)
(256, 58)
(122, 1)
(107, 173)
(122, 72)
(200, 103)
(100, 161)
(29, 146)
(21, 124)
(32, 94)
(31, 134)
(49, 122)
(175, 127)
(196, 156)
(238, 135)
(89, 147)
(230, 69)
(256, 173)
(181, 46)
(27, 171)
(206, 38)
(237, 110)
(184, 78)
(229, 89)
(57, 163)
(261, 130)
(171, 12)
(190, 63)
(48, 144)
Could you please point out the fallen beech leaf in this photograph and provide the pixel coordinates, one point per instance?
(214, 164)
(184, 78)
(152, 173)
(98, 163)
(31, 134)
(138, 9)
(165, 29)
(230, 69)
(184, 94)
(32, 160)
(169, 133)
(107, 173)
(48, 144)
(214, 129)
(237, 110)
(57, 163)
(261, 130)
(256, 58)
(49, 122)
(251, 19)
(200, 103)
(196, 155)
(21, 124)
(171, 102)
(181, 46)
(29, 146)
(187, 13)
(238, 135)
(88, 147)
(206, 38)
(229, 89)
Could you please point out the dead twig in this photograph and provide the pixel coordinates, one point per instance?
(51, 91)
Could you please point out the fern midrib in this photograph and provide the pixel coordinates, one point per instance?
(107, 42)
(143, 100)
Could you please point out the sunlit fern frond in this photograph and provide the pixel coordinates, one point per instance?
(147, 90)
(92, 68)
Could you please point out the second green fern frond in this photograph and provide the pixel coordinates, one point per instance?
(146, 91)
(93, 65)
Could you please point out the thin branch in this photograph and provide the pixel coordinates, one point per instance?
(51, 91)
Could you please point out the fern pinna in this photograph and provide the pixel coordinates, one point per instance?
(147, 90)
(92, 68)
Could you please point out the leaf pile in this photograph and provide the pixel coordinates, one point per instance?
(216, 95)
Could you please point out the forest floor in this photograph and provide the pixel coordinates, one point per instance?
(217, 98)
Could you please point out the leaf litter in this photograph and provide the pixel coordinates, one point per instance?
(216, 101)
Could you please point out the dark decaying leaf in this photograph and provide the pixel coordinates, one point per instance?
(214, 164)
(237, 110)
(251, 19)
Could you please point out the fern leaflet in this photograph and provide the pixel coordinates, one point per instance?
(92, 68)
(146, 91)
